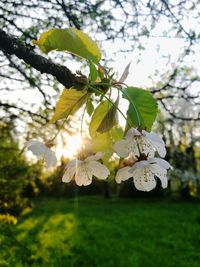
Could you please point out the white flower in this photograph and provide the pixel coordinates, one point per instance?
(42, 151)
(144, 172)
(136, 143)
(84, 170)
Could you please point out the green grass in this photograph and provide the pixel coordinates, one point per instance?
(105, 233)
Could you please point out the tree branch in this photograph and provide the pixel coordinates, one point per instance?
(13, 46)
(29, 79)
(173, 115)
(30, 113)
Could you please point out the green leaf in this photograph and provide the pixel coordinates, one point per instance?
(93, 72)
(69, 102)
(110, 118)
(89, 107)
(142, 109)
(71, 40)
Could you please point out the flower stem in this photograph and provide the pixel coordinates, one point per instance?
(59, 129)
(82, 118)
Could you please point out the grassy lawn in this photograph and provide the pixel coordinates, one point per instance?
(104, 233)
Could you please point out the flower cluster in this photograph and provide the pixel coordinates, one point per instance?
(139, 145)
(146, 150)
(142, 146)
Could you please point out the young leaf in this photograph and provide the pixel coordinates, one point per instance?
(69, 102)
(101, 141)
(125, 73)
(89, 107)
(71, 40)
(98, 116)
(109, 119)
(93, 72)
(101, 72)
(142, 109)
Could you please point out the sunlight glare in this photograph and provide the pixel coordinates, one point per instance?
(70, 149)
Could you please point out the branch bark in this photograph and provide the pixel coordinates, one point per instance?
(11, 45)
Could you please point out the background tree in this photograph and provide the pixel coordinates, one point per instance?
(18, 180)
(131, 21)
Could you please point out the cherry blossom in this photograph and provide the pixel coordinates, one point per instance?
(137, 143)
(84, 170)
(42, 151)
(144, 173)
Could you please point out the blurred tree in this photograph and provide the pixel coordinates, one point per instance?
(18, 180)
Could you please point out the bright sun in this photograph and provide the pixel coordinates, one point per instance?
(73, 144)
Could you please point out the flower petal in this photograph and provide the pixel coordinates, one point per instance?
(156, 141)
(137, 180)
(160, 173)
(70, 171)
(50, 158)
(98, 170)
(83, 175)
(144, 179)
(132, 133)
(97, 156)
(161, 162)
(139, 165)
(122, 148)
(161, 149)
(146, 147)
(123, 174)
(73, 163)
(36, 147)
